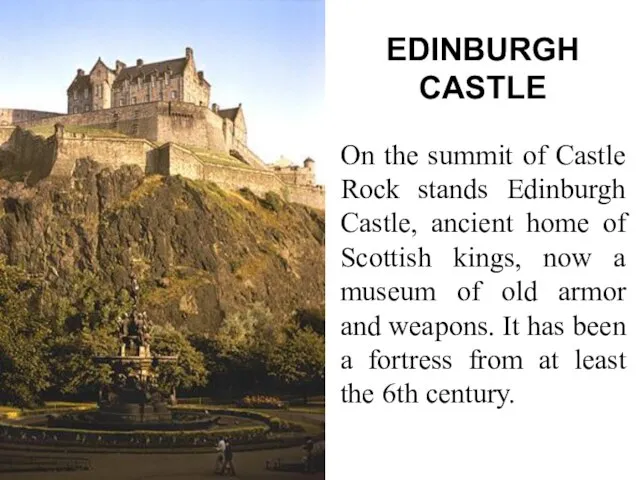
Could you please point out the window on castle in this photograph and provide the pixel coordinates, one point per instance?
(121, 102)
(87, 108)
(134, 100)
(75, 109)
(174, 94)
(86, 93)
(75, 94)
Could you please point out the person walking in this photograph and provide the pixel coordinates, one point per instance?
(228, 459)
(220, 449)
(308, 448)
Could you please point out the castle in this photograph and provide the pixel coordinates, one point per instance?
(175, 80)
(156, 116)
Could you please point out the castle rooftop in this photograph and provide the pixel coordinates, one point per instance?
(171, 67)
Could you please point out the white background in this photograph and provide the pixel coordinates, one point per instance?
(564, 424)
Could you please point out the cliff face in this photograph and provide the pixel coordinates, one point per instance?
(200, 253)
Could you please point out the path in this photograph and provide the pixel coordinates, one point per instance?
(177, 466)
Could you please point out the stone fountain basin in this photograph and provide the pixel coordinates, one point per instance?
(180, 421)
(242, 427)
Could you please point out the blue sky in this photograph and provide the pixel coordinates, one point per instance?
(267, 54)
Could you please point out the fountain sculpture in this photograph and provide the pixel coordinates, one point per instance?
(132, 400)
(133, 396)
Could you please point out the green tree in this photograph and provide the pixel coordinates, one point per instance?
(244, 343)
(84, 327)
(253, 332)
(188, 371)
(24, 373)
(73, 359)
(299, 361)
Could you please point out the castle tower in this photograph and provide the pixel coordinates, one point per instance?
(101, 80)
(310, 164)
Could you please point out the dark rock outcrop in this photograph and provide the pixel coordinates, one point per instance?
(201, 253)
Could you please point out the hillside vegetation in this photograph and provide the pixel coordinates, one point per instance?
(211, 264)
(201, 253)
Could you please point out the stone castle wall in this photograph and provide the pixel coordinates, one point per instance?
(176, 160)
(177, 122)
(247, 155)
(310, 195)
(148, 125)
(159, 122)
(10, 116)
(190, 124)
(134, 120)
(234, 178)
(295, 175)
(35, 158)
(114, 152)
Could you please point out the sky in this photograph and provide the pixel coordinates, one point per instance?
(266, 54)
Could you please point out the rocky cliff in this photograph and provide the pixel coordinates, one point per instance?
(200, 252)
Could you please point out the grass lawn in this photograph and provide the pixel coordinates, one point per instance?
(15, 412)
(308, 409)
(216, 158)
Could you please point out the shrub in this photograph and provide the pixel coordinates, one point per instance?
(278, 425)
(261, 417)
(272, 201)
(260, 401)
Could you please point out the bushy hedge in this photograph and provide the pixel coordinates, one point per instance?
(139, 439)
(15, 433)
(237, 412)
(275, 424)
(278, 425)
(17, 413)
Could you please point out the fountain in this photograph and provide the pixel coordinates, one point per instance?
(133, 396)
(132, 411)
(132, 400)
